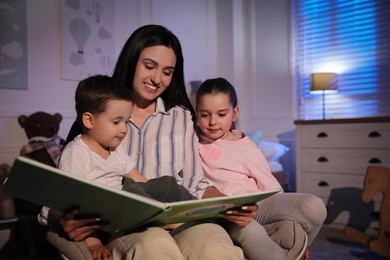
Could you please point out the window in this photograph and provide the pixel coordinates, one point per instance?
(352, 39)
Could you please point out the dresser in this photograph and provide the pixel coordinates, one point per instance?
(332, 159)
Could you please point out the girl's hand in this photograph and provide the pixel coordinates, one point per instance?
(242, 216)
(78, 230)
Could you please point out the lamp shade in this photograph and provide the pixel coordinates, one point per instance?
(323, 82)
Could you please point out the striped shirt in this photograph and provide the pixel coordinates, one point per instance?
(166, 144)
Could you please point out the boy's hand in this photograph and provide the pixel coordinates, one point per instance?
(212, 192)
(135, 175)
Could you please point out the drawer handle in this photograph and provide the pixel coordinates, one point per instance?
(323, 184)
(374, 134)
(322, 135)
(374, 161)
(322, 159)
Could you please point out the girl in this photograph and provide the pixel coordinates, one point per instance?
(237, 166)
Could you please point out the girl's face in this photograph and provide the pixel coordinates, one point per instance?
(107, 129)
(216, 115)
(153, 72)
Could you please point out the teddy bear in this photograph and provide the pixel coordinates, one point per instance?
(41, 129)
(44, 146)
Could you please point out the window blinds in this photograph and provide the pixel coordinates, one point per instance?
(351, 38)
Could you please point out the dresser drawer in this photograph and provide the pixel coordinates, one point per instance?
(322, 184)
(350, 161)
(347, 136)
(336, 186)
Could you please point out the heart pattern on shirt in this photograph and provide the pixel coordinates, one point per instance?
(211, 153)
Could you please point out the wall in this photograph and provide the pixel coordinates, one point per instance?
(244, 41)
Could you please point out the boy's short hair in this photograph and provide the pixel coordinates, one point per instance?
(93, 93)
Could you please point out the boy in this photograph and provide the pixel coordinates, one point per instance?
(103, 109)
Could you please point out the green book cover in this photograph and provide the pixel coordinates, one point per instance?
(49, 186)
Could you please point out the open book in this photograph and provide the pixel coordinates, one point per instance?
(49, 186)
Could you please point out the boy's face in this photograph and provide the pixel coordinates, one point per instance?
(216, 115)
(110, 127)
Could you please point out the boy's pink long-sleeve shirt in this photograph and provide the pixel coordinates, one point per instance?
(237, 167)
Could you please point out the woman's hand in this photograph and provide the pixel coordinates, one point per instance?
(79, 229)
(242, 216)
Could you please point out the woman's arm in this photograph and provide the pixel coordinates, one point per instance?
(193, 176)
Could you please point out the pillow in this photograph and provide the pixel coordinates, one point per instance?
(275, 166)
(255, 136)
(271, 150)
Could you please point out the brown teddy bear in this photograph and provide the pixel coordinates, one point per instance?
(44, 146)
(44, 143)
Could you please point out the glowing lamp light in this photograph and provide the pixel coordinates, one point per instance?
(336, 67)
(323, 83)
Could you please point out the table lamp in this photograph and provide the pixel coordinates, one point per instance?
(323, 83)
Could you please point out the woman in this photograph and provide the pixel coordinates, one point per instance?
(162, 140)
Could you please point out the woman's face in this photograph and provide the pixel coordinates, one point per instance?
(153, 72)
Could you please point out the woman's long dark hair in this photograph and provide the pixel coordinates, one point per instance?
(144, 37)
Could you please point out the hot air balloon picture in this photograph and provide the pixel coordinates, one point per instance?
(80, 31)
(13, 45)
(97, 10)
(106, 62)
(87, 37)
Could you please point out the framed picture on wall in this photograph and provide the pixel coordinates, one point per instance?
(87, 38)
(13, 44)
